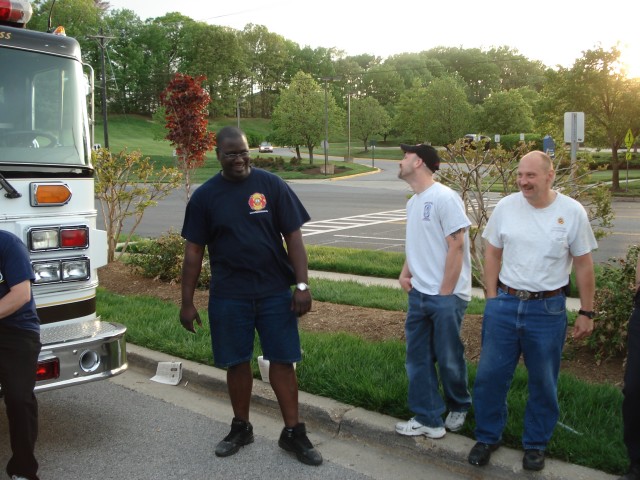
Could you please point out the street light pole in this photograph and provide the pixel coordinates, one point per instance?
(102, 44)
(349, 125)
(326, 121)
(238, 110)
(326, 125)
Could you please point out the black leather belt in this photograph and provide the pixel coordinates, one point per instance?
(526, 295)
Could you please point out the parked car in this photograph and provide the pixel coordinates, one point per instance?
(470, 139)
(265, 147)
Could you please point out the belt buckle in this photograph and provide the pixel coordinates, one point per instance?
(523, 294)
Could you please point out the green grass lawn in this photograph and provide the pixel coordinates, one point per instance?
(370, 374)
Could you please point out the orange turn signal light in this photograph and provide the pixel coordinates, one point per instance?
(50, 194)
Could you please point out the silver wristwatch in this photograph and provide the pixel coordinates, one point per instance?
(302, 286)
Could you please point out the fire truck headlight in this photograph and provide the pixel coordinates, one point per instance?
(46, 272)
(75, 270)
(43, 239)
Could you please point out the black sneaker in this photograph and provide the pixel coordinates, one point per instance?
(632, 474)
(481, 453)
(241, 434)
(533, 459)
(295, 440)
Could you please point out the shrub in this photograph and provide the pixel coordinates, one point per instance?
(613, 304)
(265, 163)
(253, 139)
(269, 163)
(162, 259)
(512, 141)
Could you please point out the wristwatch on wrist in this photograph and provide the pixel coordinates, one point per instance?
(587, 313)
(302, 286)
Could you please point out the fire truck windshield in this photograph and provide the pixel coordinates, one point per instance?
(42, 109)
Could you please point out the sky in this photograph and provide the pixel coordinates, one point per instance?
(555, 32)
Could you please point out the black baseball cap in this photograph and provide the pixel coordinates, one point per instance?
(427, 153)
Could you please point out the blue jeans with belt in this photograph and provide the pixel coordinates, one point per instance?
(432, 330)
(535, 329)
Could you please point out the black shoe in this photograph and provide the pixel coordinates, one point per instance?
(241, 434)
(632, 474)
(481, 453)
(295, 440)
(533, 459)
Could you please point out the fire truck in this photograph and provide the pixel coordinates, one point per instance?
(47, 196)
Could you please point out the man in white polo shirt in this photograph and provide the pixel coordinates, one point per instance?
(533, 239)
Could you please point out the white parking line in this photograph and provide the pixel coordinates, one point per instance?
(345, 223)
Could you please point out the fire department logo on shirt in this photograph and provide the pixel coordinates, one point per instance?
(426, 211)
(257, 202)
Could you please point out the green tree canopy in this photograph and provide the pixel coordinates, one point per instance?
(368, 119)
(447, 111)
(596, 86)
(507, 112)
(299, 117)
(411, 119)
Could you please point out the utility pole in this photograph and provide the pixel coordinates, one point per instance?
(102, 43)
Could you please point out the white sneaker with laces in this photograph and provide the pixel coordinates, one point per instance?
(413, 428)
(455, 421)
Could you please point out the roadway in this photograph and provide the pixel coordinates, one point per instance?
(134, 428)
(366, 212)
(131, 427)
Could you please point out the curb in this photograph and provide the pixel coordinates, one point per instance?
(348, 422)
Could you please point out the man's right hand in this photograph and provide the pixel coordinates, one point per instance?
(187, 316)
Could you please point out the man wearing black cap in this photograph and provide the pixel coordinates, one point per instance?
(437, 277)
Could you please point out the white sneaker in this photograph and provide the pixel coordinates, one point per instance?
(455, 421)
(18, 477)
(413, 428)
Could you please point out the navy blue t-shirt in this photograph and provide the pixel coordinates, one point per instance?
(242, 224)
(15, 268)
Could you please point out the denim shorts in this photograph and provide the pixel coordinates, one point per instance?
(234, 322)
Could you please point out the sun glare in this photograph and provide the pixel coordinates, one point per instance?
(630, 59)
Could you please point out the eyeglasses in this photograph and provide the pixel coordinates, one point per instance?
(234, 155)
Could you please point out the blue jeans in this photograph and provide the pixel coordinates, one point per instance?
(432, 330)
(511, 327)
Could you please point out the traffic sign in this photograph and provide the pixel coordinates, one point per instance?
(628, 139)
(628, 155)
(573, 127)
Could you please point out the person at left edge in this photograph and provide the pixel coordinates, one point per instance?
(241, 215)
(19, 349)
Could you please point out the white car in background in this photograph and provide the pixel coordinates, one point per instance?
(265, 147)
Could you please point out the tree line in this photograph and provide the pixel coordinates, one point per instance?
(436, 95)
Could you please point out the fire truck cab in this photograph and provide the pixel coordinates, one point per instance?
(47, 196)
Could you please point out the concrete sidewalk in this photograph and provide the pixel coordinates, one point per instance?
(572, 303)
(363, 428)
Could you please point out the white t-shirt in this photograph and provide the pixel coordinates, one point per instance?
(539, 243)
(432, 216)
